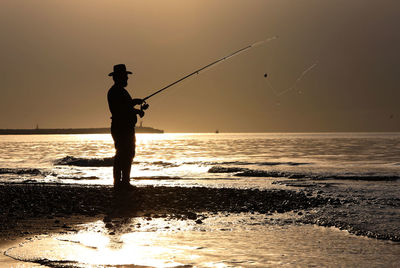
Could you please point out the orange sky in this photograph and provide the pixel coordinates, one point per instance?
(55, 57)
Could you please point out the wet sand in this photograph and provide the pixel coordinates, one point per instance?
(221, 240)
(56, 216)
(29, 210)
(20, 203)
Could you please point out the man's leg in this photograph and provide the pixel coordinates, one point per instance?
(117, 169)
(126, 171)
(128, 158)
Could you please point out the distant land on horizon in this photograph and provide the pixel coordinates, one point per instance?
(142, 129)
(104, 130)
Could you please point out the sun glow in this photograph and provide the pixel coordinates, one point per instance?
(99, 248)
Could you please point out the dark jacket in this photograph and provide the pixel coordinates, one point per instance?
(121, 107)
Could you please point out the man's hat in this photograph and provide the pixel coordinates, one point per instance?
(119, 69)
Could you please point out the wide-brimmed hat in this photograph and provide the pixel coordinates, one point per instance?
(119, 69)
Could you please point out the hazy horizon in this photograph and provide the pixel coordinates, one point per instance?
(56, 56)
(202, 132)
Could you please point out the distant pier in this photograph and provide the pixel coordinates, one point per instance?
(39, 131)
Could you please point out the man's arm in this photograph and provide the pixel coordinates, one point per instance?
(137, 102)
(139, 112)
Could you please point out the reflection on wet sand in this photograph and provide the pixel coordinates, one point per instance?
(175, 226)
(221, 240)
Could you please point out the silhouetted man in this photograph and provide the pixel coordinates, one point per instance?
(122, 108)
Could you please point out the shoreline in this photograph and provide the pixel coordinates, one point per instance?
(22, 203)
(32, 210)
(38, 212)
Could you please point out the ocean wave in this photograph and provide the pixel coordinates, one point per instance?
(219, 169)
(244, 163)
(282, 163)
(361, 177)
(108, 162)
(261, 173)
(160, 163)
(78, 178)
(85, 162)
(21, 171)
(157, 178)
(103, 162)
(292, 175)
(246, 172)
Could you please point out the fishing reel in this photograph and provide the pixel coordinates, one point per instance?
(144, 106)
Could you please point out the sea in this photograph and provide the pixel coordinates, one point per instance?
(361, 170)
(231, 160)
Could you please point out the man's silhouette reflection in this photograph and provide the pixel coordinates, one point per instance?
(122, 108)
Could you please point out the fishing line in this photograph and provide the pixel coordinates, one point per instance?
(272, 88)
(237, 52)
(294, 84)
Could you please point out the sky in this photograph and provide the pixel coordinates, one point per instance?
(55, 57)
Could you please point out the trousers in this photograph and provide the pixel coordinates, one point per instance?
(124, 141)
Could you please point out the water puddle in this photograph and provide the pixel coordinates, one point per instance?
(239, 240)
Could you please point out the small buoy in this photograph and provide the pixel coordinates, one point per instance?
(265, 75)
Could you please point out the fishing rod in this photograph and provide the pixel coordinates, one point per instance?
(145, 106)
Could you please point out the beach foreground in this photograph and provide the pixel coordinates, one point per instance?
(22, 202)
(173, 226)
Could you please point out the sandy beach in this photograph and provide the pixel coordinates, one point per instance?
(250, 133)
(73, 218)
(33, 210)
(21, 203)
